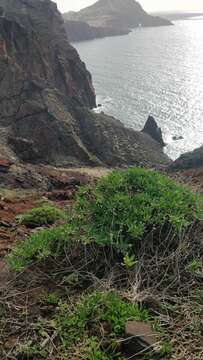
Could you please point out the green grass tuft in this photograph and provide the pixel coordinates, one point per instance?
(44, 215)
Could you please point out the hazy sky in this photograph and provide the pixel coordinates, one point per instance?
(149, 5)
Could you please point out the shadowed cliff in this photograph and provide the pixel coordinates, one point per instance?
(46, 96)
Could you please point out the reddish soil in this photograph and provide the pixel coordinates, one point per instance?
(10, 231)
(56, 185)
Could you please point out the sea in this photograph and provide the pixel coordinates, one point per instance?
(154, 71)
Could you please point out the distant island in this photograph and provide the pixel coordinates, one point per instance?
(178, 15)
(109, 18)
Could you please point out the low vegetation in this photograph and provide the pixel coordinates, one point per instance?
(44, 215)
(119, 212)
(125, 206)
(99, 315)
(135, 232)
(39, 246)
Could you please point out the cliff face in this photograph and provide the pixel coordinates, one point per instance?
(34, 44)
(190, 160)
(42, 79)
(46, 96)
(117, 14)
(80, 31)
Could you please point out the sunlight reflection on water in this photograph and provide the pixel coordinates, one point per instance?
(156, 71)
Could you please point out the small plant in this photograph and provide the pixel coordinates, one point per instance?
(194, 266)
(129, 261)
(38, 246)
(71, 279)
(166, 348)
(50, 298)
(44, 215)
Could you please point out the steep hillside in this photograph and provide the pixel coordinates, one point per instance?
(46, 96)
(80, 31)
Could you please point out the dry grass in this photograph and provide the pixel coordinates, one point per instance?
(159, 281)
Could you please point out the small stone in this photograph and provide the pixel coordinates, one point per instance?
(139, 337)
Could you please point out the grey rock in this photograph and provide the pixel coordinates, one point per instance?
(190, 160)
(151, 128)
(80, 31)
(140, 337)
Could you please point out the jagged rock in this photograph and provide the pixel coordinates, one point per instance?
(190, 160)
(151, 128)
(46, 96)
(116, 145)
(80, 31)
(117, 14)
(139, 338)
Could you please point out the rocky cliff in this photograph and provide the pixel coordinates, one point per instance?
(189, 160)
(117, 14)
(46, 96)
(80, 31)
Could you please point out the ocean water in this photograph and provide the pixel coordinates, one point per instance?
(157, 71)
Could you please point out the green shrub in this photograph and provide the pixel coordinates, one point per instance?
(96, 316)
(121, 209)
(44, 215)
(39, 246)
(126, 205)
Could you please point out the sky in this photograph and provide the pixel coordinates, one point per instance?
(149, 5)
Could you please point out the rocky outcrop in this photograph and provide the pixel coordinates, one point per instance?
(46, 96)
(42, 79)
(118, 14)
(80, 31)
(151, 128)
(190, 160)
(116, 145)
